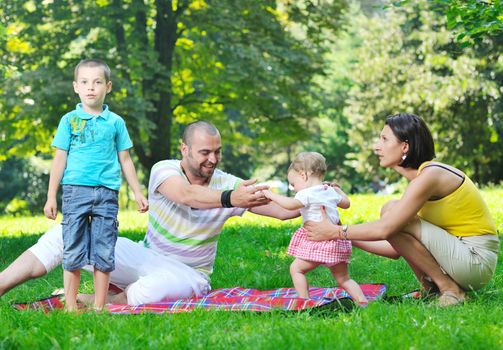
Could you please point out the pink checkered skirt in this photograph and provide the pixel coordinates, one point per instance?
(325, 252)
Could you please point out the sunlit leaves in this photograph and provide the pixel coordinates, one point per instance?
(470, 20)
(172, 62)
(408, 63)
(198, 5)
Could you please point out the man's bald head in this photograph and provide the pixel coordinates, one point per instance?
(200, 125)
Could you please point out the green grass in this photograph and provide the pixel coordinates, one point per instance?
(252, 254)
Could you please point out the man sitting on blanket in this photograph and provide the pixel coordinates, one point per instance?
(190, 200)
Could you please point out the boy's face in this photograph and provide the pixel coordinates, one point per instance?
(92, 87)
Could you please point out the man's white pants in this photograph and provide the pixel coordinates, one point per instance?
(145, 274)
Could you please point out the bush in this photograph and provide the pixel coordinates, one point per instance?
(23, 185)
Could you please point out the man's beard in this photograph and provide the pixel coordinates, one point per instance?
(206, 172)
(199, 172)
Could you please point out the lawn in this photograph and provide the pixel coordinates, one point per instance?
(252, 254)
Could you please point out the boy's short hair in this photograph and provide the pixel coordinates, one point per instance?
(310, 162)
(93, 63)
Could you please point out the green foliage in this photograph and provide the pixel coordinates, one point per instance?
(247, 66)
(276, 77)
(251, 253)
(331, 129)
(402, 59)
(471, 19)
(22, 185)
(406, 62)
(475, 18)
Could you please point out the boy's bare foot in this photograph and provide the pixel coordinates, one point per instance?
(72, 310)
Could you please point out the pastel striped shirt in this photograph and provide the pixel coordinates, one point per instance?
(188, 234)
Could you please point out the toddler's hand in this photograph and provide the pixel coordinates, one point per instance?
(256, 190)
(51, 209)
(267, 193)
(142, 203)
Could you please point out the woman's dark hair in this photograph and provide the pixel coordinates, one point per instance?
(413, 130)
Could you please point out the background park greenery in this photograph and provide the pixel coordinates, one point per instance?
(276, 77)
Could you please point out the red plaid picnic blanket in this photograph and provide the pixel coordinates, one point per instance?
(229, 299)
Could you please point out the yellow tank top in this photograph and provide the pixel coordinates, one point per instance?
(461, 213)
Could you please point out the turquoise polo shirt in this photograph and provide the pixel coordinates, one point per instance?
(92, 143)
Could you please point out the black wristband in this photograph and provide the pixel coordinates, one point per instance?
(225, 199)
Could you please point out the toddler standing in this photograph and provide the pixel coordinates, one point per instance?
(306, 174)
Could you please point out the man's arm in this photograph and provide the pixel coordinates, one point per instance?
(131, 178)
(57, 170)
(176, 189)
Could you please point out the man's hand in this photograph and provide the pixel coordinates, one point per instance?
(51, 208)
(247, 195)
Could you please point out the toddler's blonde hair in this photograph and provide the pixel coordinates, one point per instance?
(310, 162)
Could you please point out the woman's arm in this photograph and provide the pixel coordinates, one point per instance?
(417, 193)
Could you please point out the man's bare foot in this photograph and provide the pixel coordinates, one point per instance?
(86, 299)
(119, 298)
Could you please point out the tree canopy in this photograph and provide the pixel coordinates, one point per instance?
(407, 62)
(470, 19)
(247, 66)
(276, 77)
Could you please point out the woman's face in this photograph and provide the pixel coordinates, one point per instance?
(389, 148)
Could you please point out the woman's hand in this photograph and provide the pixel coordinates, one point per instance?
(332, 183)
(322, 230)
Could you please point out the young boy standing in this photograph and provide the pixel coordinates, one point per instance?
(92, 145)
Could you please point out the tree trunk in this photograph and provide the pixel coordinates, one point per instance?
(162, 116)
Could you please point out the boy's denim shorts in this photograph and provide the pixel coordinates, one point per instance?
(90, 227)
